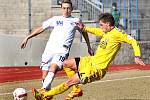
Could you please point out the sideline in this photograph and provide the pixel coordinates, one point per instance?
(19, 73)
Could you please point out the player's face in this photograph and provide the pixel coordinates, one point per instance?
(66, 9)
(105, 26)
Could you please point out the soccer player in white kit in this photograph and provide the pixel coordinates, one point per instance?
(59, 43)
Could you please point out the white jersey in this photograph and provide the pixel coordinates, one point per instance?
(62, 35)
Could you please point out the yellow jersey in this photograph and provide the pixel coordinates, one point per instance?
(109, 45)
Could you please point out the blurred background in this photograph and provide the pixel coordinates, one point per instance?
(19, 17)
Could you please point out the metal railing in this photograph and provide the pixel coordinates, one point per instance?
(89, 8)
(135, 14)
(129, 13)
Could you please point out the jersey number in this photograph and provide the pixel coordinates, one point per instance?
(62, 58)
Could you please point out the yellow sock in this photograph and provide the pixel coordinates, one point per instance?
(57, 90)
(70, 73)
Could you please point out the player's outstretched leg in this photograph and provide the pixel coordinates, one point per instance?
(76, 92)
(56, 90)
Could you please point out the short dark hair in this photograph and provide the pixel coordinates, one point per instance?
(66, 1)
(114, 4)
(107, 17)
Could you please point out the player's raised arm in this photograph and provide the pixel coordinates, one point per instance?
(135, 45)
(34, 33)
(86, 37)
(93, 30)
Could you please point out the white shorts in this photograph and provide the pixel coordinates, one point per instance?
(58, 59)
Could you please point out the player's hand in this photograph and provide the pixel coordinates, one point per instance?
(24, 43)
(139, 61)
(90, 51)
(80, 25)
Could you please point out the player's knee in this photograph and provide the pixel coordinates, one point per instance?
(69, 63)
(66, 64)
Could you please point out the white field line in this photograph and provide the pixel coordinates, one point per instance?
(111, 80)
(121, 79)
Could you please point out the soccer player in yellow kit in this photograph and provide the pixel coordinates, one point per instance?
(91, 68)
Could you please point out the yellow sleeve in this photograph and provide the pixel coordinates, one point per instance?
(130, 40)
(95, 31)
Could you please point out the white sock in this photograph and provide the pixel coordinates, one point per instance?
(48, 80)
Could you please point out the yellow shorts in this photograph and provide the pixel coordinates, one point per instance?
(89, 73)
